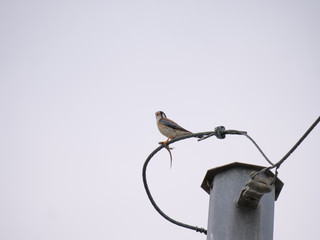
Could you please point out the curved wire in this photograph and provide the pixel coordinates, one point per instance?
(220, 133)
(144, 170)
(260, 150)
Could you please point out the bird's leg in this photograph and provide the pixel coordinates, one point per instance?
(165, 144)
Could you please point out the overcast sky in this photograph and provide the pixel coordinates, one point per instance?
(80, 82)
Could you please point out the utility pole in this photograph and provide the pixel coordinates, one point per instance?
(241, 207)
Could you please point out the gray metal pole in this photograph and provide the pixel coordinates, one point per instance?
(229, 220)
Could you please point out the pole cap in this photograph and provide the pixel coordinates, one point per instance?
(209, 178)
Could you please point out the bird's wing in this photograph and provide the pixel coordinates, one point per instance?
(172, 124)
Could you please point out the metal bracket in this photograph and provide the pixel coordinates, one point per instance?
(253, 190)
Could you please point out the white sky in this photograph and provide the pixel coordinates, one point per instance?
(80, 82)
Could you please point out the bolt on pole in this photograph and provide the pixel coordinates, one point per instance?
(240, 208)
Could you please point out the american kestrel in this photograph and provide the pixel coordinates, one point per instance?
(169, 128)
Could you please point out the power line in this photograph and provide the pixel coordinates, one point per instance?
(278, 164)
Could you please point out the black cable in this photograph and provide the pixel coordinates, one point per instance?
(220, 133)
(278, 164)
(144, 169)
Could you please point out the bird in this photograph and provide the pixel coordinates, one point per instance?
(169, 128)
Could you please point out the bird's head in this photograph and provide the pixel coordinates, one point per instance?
(160, 115)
